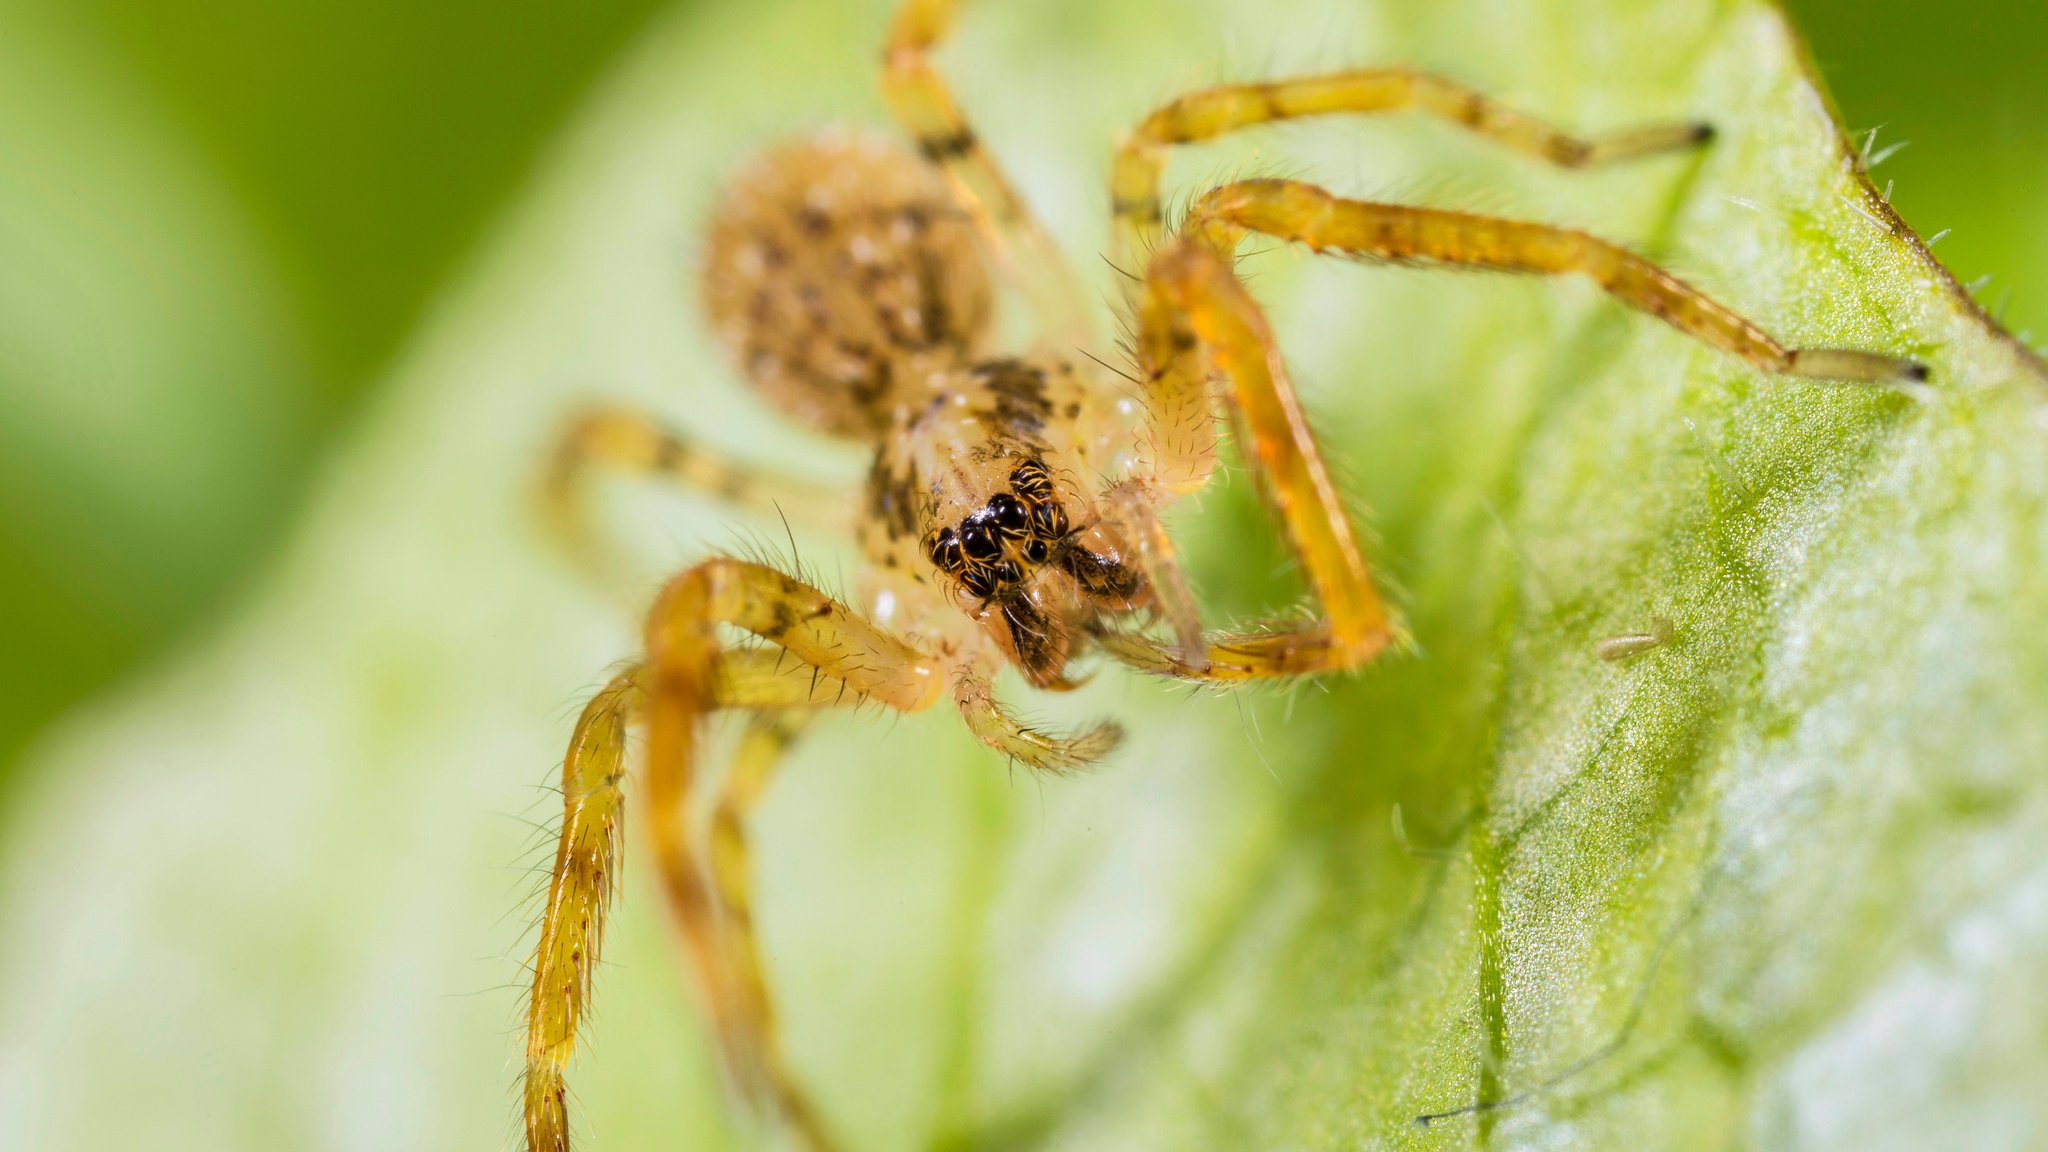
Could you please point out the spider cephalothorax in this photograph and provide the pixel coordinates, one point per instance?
(1011, 513)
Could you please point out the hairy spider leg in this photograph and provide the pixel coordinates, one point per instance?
(768, 736)
(924, 106)
(586, 870)
(1195, 318)
(687, 675)
(1129, 507)
(579, 894)
(1303, 213)
(1192, 298)
(975, 696)
(1140, 159)
(682, 643)
(638, 444)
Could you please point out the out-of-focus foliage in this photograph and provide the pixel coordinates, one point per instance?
(218, 218)
(1965, 87)
(1790, 861)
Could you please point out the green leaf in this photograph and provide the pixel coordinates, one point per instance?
(1775, 882)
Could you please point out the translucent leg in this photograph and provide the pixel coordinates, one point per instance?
(768, 736)
(924, 105)
(637, 444)
(682, 641)
(1233, 658)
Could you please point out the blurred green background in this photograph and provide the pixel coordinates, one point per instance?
(219, 220)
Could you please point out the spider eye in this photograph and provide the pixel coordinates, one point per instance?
(943, 548)
(1007, 572)
(979, 543)
(1007, 514)
(1037, 551)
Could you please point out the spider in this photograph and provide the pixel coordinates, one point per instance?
(1011, 515)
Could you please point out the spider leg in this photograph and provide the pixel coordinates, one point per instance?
(1129, 507)
(768, 735)
(1233, 657)
(1303, 213)
(924, 105)
(682, 642)
(635, 443)
(1211, 112)
(1195, 317)
(688, 674)
(779, 697)
(586, 868)
(1057, 755)
(579, 894)
(753, 1045)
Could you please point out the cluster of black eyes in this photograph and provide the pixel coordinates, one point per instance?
(1028, 517)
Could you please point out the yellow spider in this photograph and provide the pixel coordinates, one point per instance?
(1012, 513)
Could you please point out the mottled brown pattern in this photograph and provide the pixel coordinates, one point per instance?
(1018, 407)
(837, 267)
(892, 496)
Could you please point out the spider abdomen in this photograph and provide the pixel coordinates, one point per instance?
(839, 272)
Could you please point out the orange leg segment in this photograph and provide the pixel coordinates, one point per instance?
(768, 736)
(683, 644)
(1194, 317)
(1304, 213)
(580, 892)
(1212, 112)
(689, 673)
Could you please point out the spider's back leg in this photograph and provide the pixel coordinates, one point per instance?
(616, 439)
(924, 105)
